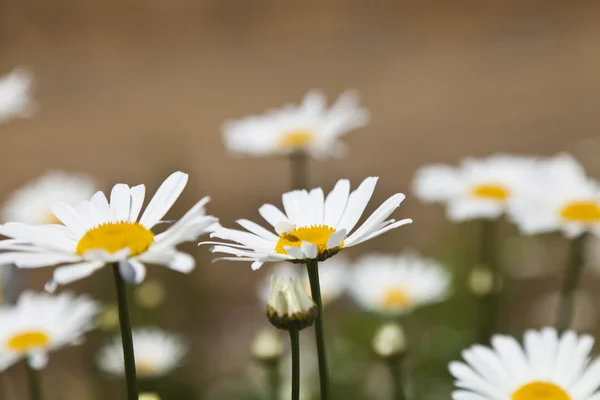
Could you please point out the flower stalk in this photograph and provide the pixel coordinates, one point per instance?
(33, 377)
(295, 346)
(299, 167)
(567, 296)
(489, 303)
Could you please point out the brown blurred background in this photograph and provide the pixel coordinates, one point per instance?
(132, 90)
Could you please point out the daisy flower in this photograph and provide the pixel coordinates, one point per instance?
(15, 97)
(31, 203)
(312, 228)
(562, 198)
(40, 323)
(333, 275)
(157, 353)
(476, 188)
(310, 127)
(97, 232)
(548, 367)
(395, 285)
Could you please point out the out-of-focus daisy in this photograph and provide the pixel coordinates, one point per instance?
(333, 276)
(477, 188)
(397, 284)
(561, 198)
(15, 96)
(310, 127)
(31, 203)
(157, 353)
(312, 228)
(40, 323)
(547, 367)
(97, 232)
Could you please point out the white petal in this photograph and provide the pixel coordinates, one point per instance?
(381, 231)
(282, 228)
(272, 214)
(70, 273)
(380, 215)
(101, 204)
(173, 259)
(38, 359)
(120, 203)
(36, 260)
(309, 250)
(357, 202)
(164, 198)
(132, 271)
(295, 252)
(589, 382)
(335, 204)
(70, 218)
(293, 206)
(336, 238)
(317, 205)
(256, 265)
(137, 201)
(257, 229)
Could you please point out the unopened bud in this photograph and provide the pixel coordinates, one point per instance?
(267, 346)
(149, 396)
(389, 341)
(289, 306)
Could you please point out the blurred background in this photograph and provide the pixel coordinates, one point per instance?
(129, 91)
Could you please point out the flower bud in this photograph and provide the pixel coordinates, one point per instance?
(289, 306)
(149, 396)
(389, 341)
(267, 346)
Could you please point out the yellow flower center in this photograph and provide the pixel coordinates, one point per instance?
(144, 367)
(540, 391)
(115, 236)
(491, 192)
(27, 340)
(317, 235)
(586, 212)
(296, 140)
(397, 299)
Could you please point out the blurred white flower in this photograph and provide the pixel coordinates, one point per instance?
(547, 367)
(312, 228)
(96, 233)
(561, 198)
(389, 341)
(396, 285)
(584, 315)
(267, 346)
(157, 353)
(289, 306)
(477, 188)
(15, 96)
(333, 278)
(31, 203)
(40, 323)
(310, 127)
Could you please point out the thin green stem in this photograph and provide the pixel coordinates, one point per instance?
(299, 165)
(295, 345)
(315, 288)
(33, 377)
(489, 304)
(126, 336)
(567, 297)
(395, 366)
(274, 378)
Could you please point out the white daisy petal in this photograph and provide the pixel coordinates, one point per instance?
(357, 202)
(295, 252)
(336, 238)
(38, 360)
(71, 273)
(310, 250)
(335, 204)
(101, 203)
(257, 229)
(120, 203)
(164, 198)
(70, 218)
(272, 214)
(138, 194)
(132, 271)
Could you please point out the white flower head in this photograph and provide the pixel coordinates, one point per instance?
(548, 366)
(157, 353)
(15, 97)
(312, 228)
(477, 188)
(395, 285)
(389, 341)
(40, 323)
(561, 198)
(310, 127)
(289, 306)
(333, 277)
(31, 203)
(97, 232)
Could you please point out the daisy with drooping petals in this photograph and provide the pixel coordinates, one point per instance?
(310, 127)
(15, 97)
(97, 232)
(395, 285)
(40, 323)
(333, 276)
(156, 353)
(31, 203)
(312, 228)
(477, 188)
(562, 198)
(547, 367)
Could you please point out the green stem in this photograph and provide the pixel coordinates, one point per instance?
(33, 377)
(274, 380)
(295, 344)
(396, 374)
(315, 288)
(567, 298)
(299, 165)
(489, 303)
(126, 336)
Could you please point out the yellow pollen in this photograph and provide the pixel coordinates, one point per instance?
(540, 391)
(115, 236)
(397, 299)
(316, 234)
(296, 140)
(491, 192)
(586, 212)
(27, 340)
